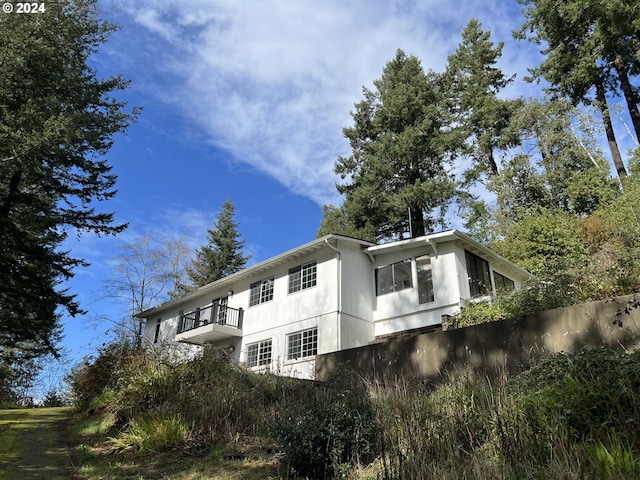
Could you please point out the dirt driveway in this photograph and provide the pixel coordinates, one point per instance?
(32, 444)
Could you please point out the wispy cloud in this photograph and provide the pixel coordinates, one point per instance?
(273, 82)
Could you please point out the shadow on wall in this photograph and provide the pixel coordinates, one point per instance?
(511, 343)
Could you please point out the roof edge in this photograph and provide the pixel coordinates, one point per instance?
(318, 242)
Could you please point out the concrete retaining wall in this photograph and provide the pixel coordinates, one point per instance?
(512, 343)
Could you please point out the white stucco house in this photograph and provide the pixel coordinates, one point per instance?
(331, 294)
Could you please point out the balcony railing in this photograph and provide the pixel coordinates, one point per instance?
(215, 313)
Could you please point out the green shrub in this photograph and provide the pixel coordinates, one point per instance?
(536, 295)
(327, 428)
(221, 401)
(592, 392)
(479, 312)
(93, 376)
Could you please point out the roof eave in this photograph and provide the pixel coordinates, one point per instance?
(250, 271)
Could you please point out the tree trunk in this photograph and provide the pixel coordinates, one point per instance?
(493, 166)
(608, 126)
(418, 227)
(629, 95)
(5, 207)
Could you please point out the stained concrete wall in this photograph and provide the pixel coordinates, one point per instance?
(512, 343)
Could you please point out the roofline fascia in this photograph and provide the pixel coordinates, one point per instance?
(439, 237)
(320, 242)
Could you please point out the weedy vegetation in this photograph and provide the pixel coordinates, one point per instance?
(568, 416)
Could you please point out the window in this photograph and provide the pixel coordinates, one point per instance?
(302, 277)
(302, 344)
(503, 284)
(261, 292)
(259, 354)
(425, 280)
(478, 272)
(156, 335)
(394, 277)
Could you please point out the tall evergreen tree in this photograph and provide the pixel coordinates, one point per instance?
(397, 179)
(222, 255)
(591, 52)
(474, 83)
(58, 119)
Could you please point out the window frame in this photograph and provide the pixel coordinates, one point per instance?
(261, 291)
(263, 353)
(221, 310)
(479, 285)
(156, 335)
(503, 283)
(430, 292)
(303, 277)
(394, 281)
(304, 342)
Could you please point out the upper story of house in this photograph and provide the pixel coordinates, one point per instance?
(336, 292)
(296, 287)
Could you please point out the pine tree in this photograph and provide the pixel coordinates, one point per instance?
(58, 119)
(590, 47)
(397, 178)
(222, 255)
(474, 83)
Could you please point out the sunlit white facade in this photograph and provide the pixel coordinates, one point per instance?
(331, 294)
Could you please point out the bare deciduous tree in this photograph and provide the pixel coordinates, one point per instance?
(148, 271)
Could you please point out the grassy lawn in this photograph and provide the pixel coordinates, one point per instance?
(32, 444)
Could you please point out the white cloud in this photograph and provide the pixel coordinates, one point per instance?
(273, 81)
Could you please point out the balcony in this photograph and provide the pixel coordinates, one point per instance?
(209, 324)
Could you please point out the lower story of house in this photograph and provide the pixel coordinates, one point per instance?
(290, 349)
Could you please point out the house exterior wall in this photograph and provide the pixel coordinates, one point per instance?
(357, 296)
(343, 305)
(398, 311)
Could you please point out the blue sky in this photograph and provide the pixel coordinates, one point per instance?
(247, 100)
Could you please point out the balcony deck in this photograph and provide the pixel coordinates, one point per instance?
(210, 324)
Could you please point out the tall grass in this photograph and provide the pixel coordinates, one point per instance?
(153, 433)
(217, 400)
(570, 416)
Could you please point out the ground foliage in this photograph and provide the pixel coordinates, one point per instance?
(569, 415)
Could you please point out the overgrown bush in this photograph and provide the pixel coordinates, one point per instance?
(593, 392)
(536, 295)
(93, 376)
(328, 428)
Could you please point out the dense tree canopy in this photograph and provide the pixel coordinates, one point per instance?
(397, 179)
(58, 119)
(530, 176)
(474, 82)
(590, 51)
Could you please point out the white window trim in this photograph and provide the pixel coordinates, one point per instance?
(301, 269)
(301, 357)
(261, 285)
(261, 346)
